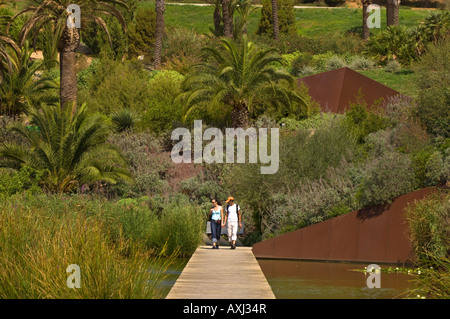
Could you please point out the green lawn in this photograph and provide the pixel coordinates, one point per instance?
(313, 22)
(402, 81)
(310, 22)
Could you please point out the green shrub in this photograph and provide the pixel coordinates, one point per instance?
(182, 49)
(386, 178)
(435, 27)
(319, 60)
(163, 111)
(335, 62)
(148, 168)
(313, 122)
(393, 66)
(113, 86)
(433, 81)
(123, 120)
(14, 182)
(305, 154)
(429, 167)
(299, 62)
(362, 121)
(286, 17)
(179, 228)
(202, 191)
(396, 42)
(94, 36)
(141, 33)
(308, 70)
(361, 63)
(184, 42)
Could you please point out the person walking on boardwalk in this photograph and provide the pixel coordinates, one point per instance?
(216, 216)
(233, 217)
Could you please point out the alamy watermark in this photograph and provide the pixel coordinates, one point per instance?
(213, 152)
(74, 18)
(374, 19)
(374, 278)
(74, 280)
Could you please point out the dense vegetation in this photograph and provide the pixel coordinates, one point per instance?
(100, 162)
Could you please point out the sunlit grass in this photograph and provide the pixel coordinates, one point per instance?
(37, 244)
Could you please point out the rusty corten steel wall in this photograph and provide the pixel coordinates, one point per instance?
(336, 88)
(377, 234)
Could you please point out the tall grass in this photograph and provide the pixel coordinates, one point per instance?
(429, 224)
(122, 251)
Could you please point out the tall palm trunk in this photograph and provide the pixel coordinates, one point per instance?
(68, 43)
(240, 115)
(366, 30)
(159, 8)
(227, 19)
(217, 18)
(276, 28)
(392, 8)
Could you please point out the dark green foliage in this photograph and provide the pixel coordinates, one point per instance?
(286, 17)
(162, 111)
(141, 32)
(69, 145)
(407, 45)
(429, 167)
(25, 179)
(98, 41)
(21, 87)
(123, 120)
(396, 42)
(114, 85)
(433, 80)
(362, 121)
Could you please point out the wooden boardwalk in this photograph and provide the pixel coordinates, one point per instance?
(222, 273)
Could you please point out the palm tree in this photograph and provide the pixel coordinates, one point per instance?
(6, 46)
(392, 10)
(238, 74)
(217, 16)
(227, 17)
(244, 9)
(67, 40)
(69, 145)
(21, 86)
(366, 30)
(159, 8)
(276, 29)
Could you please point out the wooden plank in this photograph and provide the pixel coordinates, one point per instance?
(222, 273)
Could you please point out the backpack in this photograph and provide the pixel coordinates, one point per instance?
(237, 210)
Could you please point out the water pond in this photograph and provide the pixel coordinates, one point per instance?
(291, 279)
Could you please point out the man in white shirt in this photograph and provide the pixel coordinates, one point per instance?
(233, 218)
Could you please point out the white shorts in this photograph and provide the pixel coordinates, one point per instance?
(232, 230)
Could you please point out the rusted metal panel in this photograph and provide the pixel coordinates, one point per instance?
(343, 247)
(316, 240)
(372, 233)
(335, 89)
(375, 234)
